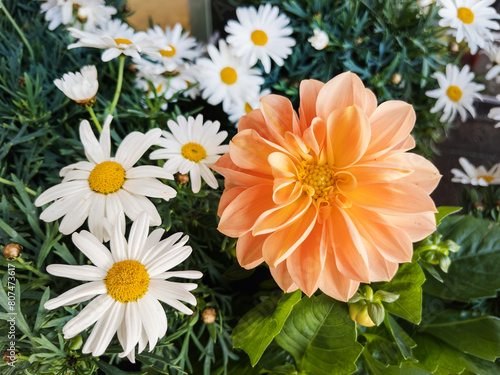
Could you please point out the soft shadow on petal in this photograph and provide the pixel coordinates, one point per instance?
(309, 90)
(282, 277)
(249, 250)
(235, 176)
(417, 226)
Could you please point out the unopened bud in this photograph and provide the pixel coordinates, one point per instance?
(396, 78)
(12, 251)
(10, 355)
(208, 315)
(479, 206)
(454, 47)
(359, 313)
(182, 179)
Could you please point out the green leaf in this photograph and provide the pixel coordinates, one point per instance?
(473, 272)
(407, 284)
(113, 370)
(434, 354)
(258, 327)
(479, 337)
(444, 211)
(375, 367)
(321, 337)
(403, 341)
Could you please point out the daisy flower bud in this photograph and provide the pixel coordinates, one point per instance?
(80, 86)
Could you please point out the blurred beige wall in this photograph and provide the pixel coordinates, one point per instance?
(162, 12)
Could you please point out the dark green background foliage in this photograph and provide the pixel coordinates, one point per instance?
(375, 39)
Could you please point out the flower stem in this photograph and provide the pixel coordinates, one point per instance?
(7, 182)
(94, 118)
(118, 84)
(29, 267)
(18, 29)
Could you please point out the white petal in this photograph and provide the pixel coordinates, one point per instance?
(97, 253)
(62, 190)
(150, 188)
(83, 272)
(138, 235)
(172, 290)
(130, 151)
(73, 220)
(145, 171)
(183, 274)
(147, 311)
(96, 216)
(77, 294)
(93, 149)
(134, 204)
(169, 260)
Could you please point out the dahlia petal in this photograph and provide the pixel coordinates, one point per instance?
(279, 217)
(282, 165)
(370, 102)
(241, 214)
(309, 90)
(306, 262)
(282, 277)
(347, 126)
(286, 190)
(391, 123)
(279, 115)
(342, 91)
(373, 172)
(334, 283)
(88, 316)
(280, 244)
(227, 197)
(236, 176)
(249, 250)
(255, 121)
(315, 134)
(417, 226)
(393, 198)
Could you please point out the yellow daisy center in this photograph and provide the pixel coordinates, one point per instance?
(169, 53)
(318, 177)
(193, 151)
(486, 178)
(248, 108)
(259, 38)
(465, 15)
(454, 93)
(228, 75)
(107, 177)
(127, 281)
(122, 41)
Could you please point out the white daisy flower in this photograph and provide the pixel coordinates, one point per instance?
(494, 65)
(240, 109)
(93, 13)
(226, 78)
(80, 86)
(260, 35)
(476, 176)
(191, 146)
(494, 114)
(470, 20)
(129, 281)
(456, 93)
(104, 186)
(116, 38)
(319, 40)
(58, 12)
(425, 3)
(175, 47)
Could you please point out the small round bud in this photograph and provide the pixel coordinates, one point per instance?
(359, 313)
(21, 82)
(454, 47)
(479, 206)
(12, 251)
(208, 315)
(396, 78)
(358, 40)
(10, 355)
(182, 179)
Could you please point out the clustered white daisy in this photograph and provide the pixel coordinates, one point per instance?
(456, 93)
(476, 176)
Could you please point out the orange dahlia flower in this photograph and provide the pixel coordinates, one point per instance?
(327, 198)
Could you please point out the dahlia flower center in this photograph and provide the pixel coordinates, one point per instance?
(465, 15)
(122, 41)
(193, 151)
(127, 281)
(228, 75)
(107, 177)
(486, 178)
(248, 108)
(169, 53)
(318, 177)
(454, 93)
(259, 38)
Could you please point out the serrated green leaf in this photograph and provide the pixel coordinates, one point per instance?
(473, 272)
(444, 211)
(321, 337)
(479, 337)
(258, 327)
(407, 284)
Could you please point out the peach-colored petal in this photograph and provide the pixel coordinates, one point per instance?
(350, 253)
(315, 134)
(254, 120)
(372, 172)
(281, 216)
(249, 250)
(348, 135)
(333, 283)
(282, 277)
(391, 123)
(306, 263)
(282, 243)
(235, 176)
(393, 198)
(227, 197)
(344, 90)
(425, 175)
(285, 190)
(240, 215)
(309, 90)
(282, 165)
(279, 115)
(370, 102)
(417, 226)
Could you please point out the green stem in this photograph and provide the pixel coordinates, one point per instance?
(94, 118)
(7, 182)
(28, 267)
(118, 84)
(18, 29)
